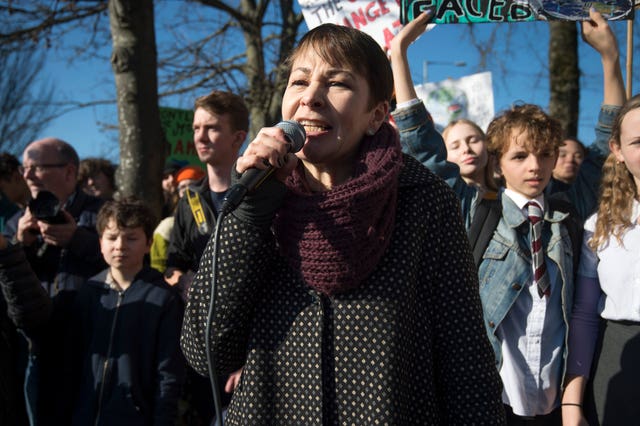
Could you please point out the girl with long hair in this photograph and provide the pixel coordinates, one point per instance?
(604, 337)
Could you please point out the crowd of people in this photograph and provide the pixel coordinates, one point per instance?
(386, 273)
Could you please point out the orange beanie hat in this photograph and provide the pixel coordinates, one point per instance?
(189, 172)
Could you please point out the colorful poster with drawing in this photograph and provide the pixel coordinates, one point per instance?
(495, 11)
(469, 97)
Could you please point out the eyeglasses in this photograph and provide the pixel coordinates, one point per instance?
(39, 168)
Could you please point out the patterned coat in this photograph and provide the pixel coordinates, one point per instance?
(407, 347)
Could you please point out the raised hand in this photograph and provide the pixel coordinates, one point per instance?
(597, 33)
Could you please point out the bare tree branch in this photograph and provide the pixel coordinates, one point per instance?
(25, 106)
(30, 24)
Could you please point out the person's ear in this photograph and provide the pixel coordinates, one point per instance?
(497, 170)
(616, 151)
(71, 172)
(378, 116)
(496, 165)
(238, 138)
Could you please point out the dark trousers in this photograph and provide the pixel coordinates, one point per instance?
(554, 418)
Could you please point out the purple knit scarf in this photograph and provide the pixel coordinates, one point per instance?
(336, 238)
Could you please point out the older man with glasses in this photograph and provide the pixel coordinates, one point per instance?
(58, 236)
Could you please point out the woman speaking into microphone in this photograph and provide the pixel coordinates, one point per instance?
(344, 284)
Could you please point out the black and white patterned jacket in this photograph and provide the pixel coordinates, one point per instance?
(407, 347)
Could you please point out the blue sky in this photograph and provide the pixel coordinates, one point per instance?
(518, 72)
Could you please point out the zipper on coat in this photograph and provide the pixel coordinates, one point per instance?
(330, 412)
(106, 364)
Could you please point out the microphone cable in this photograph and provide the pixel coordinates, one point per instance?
(253, 178)
(213, 375)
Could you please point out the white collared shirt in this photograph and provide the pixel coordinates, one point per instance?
(532, 338)
(617, 266)
(522, 201)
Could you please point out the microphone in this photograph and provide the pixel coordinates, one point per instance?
(252, 178)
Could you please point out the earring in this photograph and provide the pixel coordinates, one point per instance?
(371, 132)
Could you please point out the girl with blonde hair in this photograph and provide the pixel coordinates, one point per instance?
(466, 145)
(605, 327)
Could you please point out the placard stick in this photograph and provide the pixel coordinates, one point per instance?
(629, 57)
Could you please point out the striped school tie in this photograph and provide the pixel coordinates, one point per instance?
(537, 254)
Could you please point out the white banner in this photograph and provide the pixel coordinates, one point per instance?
(469, 97)
(379, 18)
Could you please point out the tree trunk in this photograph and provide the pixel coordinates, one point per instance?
(564, 75)
(266, 87)
(134, 63)
(259, 91)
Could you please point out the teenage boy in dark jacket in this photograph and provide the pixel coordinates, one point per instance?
(126, 363)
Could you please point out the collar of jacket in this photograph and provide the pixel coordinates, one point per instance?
(514, 217)
(146, 274)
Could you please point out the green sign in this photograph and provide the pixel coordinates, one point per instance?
(495, 11)
(177, 125)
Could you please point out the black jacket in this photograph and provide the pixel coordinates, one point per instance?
(23, 304)
(187, 242)
(125, 355)
(66, 269)
(61, 271)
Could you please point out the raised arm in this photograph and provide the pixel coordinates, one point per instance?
(418, 135)
(584, 192)
(402, 82)
(597, 34)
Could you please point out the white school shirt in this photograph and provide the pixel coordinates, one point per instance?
(532, 339)
(617, 266)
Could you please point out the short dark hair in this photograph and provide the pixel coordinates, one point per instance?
(577, 141)
(219, 103)
(9, 165)
(352, 49)
(128, 213)
(92, 166)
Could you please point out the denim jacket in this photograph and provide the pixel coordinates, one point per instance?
(583, 193)
(421, 140)
(506, 265)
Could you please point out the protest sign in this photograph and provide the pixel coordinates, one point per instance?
(177, 126)
(378, 18)
(495, 11)
(469, 97)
